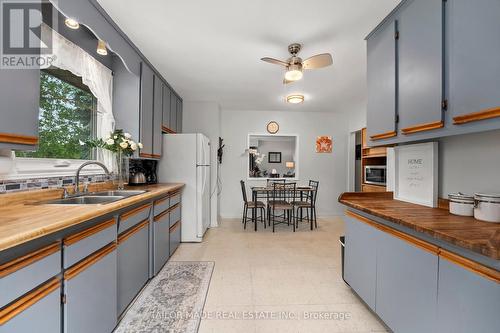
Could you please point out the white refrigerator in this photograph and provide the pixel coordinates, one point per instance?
(186, 159)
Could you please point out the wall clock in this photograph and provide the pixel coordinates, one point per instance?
(273, 127)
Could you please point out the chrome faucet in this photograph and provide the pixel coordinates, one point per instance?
(77, 177)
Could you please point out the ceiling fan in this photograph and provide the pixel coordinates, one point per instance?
(295, 65)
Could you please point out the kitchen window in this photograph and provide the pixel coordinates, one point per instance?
(67, 117)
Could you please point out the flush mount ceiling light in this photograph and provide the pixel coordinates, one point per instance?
(72, 23)
(101, 48)
(295, 99)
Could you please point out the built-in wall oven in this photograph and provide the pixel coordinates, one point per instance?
(376, 174)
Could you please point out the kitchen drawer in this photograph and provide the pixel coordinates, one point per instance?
(86, 242)
(21, 275)
(175, 214)
(161, 240)
(175, 237)
(161, 205)
(38, 311)
(132, 217)
(175, 199)
(133, 263)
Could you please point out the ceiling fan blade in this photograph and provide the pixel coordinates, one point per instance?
(318, 61)
(274, 61)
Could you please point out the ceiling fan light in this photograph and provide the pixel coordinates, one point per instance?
(295, 99)
(293, 75)
(71, 23)
(101, 48)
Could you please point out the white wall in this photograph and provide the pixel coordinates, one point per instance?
(329, 169)
(469, 163)
(204, 117)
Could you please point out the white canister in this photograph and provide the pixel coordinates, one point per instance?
(487, 207)
(461, 204)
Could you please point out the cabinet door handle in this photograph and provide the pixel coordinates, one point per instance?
(15, 265)
(476, 116)
(89, 261)
(88, 232)
(127, 234)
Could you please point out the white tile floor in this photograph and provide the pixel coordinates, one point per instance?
(261, 278)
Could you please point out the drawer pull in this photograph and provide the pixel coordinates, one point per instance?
(127, 234)
(16, 264)
(89, 261)
(134, 211)
(175, 226)
(88, 232)
(28, 300)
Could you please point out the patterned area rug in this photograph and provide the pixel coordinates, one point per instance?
(172, 302)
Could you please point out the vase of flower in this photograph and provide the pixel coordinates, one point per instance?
(122, 146)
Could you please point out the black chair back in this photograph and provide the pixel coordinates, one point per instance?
(270, 182)
(243, 191)
(314, 193)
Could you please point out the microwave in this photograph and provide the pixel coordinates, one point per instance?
(376, 174)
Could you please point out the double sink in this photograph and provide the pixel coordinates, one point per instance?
(95, 198)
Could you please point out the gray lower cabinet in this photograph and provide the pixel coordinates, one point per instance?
(175, 236)
(361, 259)
(420, 65)
(161, 247)
(38, 311)
(19, 112)
(473, 31)
(406, 285)
(146, 110)
(467, 302)
(381, 80)
(133, 263)
(90, 289)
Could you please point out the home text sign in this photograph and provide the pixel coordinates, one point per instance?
(417, 174)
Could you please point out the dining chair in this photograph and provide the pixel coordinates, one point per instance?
(259, 205)
(280, 199)
(309, 204)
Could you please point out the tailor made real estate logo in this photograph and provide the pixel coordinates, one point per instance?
(25, 36)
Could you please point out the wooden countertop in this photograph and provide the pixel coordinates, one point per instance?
(466, 232)
(22, 222)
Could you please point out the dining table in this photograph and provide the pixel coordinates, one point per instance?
(262, 192)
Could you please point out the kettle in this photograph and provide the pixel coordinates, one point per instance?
(138, 178)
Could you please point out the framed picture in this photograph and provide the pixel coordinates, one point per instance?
(274, 157)
(324, 144)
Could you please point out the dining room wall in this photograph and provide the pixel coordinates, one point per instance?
(329, 169)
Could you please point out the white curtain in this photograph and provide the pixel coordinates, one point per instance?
(96, 76)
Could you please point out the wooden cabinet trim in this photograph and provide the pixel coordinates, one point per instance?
(158, 217)
(129, 233)
(470, 265)
(381, 136)
(145, 155)
(476, 116)
(18, 139)
(16, 264)
(89, 261)
(88, 232)
(28, 300)
(423, 127)
(175, 226)
(134, 211)
(167, 130)
(398, 234)
(160, 201)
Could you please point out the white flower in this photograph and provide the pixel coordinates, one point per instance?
(116, 137)
(124, 144)
(110, 141)
(133, 146)
(81, 143)
(127, 135)
(139, 145)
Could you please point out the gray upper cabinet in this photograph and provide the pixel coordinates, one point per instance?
(19, 111)
(473, 31)
(420, 70)
(173, 112)
(166, 108)
(381, 76)
(179, 116)
(146, 114)
(157, 117)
